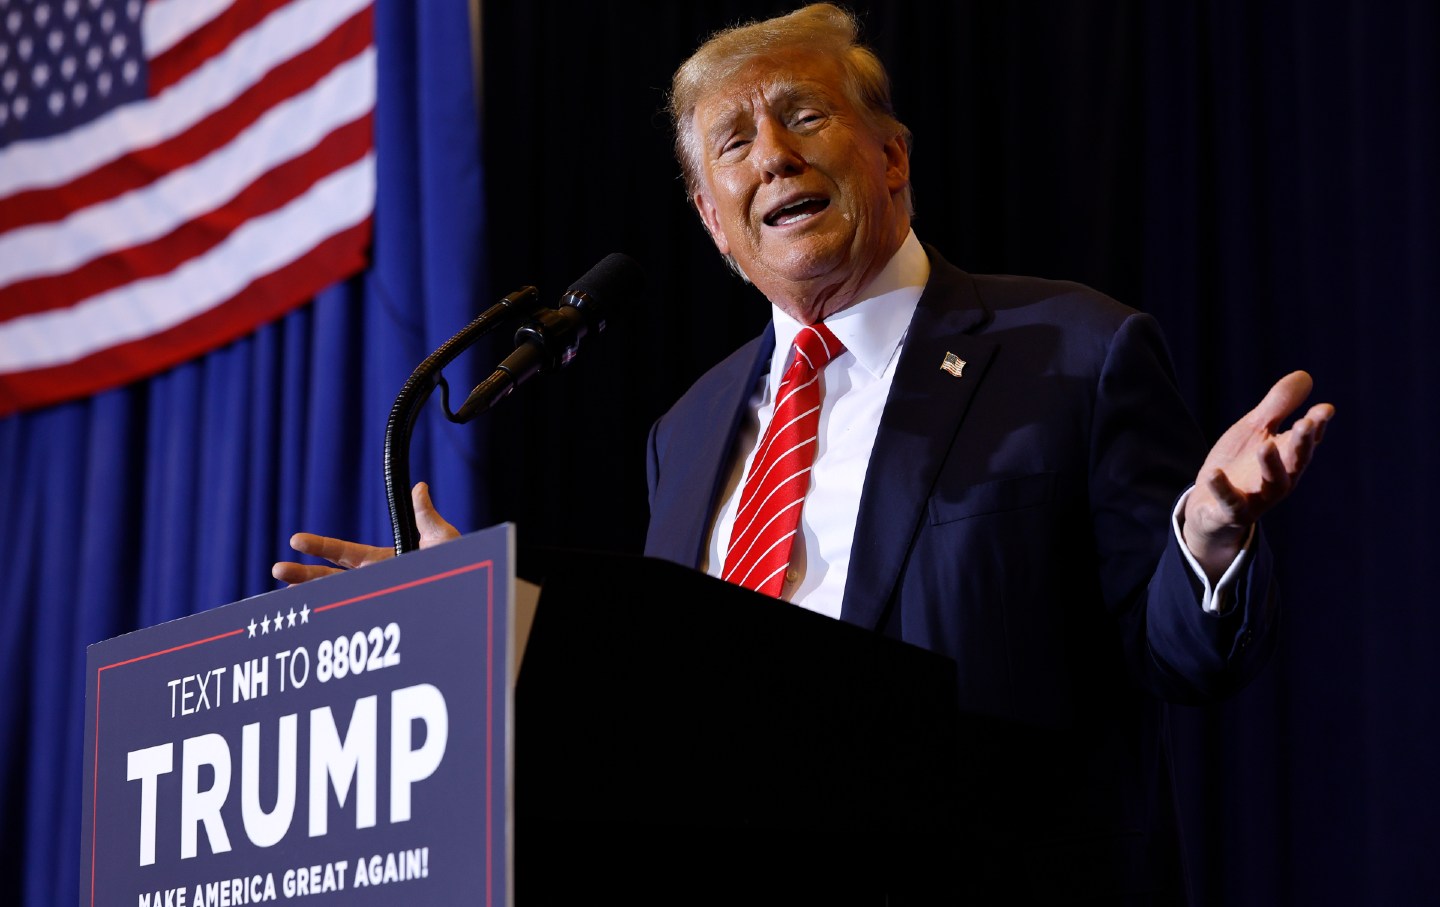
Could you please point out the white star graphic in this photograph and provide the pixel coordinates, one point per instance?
(277, 622)
(264, 625)
(252, 628)
(305, 614)
(290, 618)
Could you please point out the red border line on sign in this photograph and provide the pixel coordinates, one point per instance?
(410, 585)
(490, 596)
(489, 726)
(198, 642)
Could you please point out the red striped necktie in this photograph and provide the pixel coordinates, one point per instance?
(774, 491)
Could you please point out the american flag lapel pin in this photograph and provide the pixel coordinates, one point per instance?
(953, 365)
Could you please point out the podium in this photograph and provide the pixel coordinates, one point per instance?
(671, 738)
(680, 736)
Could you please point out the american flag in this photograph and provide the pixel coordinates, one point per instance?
(173, 174)
(953, 365)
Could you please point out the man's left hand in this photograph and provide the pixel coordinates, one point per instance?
(1250, 470)
(346, 555)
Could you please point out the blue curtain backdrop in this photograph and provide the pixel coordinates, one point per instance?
(175, 494)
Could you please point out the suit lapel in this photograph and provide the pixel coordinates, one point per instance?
(708, 455)
(917, 429)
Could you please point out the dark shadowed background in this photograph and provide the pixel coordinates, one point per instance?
(1260, 176)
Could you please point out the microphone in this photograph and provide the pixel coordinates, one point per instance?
(553, 338)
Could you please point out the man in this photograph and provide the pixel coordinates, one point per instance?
(994, 468)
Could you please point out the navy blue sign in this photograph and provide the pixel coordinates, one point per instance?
(344, 741)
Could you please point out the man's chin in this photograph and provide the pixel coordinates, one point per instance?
(803, 260)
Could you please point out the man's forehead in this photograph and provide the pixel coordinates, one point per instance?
(776, 81)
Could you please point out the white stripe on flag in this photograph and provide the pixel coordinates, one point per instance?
(168, 22)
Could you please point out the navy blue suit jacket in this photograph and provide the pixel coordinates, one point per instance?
(1017, 519)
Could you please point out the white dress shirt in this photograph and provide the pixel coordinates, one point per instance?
(854, 388)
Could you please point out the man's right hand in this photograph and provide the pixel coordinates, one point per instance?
(347, 555)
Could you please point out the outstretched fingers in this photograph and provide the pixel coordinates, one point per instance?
(343, 554)
(1299, 442)
(338, 551)
(292, 573)
(1283, 398)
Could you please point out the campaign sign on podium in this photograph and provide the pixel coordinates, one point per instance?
(345, 741)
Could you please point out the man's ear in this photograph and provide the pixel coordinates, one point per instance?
(711, 219)
(897, 170)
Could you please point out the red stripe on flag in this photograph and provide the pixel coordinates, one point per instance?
(208, 41)
(145, 166)
(271, 191)
(266, 298)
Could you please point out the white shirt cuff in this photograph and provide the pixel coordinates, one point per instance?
(1213, 600)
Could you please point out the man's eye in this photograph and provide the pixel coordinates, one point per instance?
(734, 144)
(808, 117)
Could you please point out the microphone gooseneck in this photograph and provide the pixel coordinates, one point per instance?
(546, 343)
(550, 340)
(412, 397)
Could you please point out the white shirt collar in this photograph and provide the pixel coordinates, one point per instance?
(872, 328)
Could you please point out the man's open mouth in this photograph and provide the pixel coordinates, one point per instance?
(796, 211)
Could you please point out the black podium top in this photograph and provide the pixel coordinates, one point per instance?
(673, 729)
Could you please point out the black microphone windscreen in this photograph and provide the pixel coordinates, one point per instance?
(616, 277)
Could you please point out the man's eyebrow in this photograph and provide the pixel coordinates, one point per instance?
(722, 126)
(796, 92)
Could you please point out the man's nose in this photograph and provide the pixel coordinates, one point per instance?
(777, 153)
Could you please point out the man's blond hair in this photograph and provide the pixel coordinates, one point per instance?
(821, 28)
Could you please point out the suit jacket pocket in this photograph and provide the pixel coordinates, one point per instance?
(995, 496)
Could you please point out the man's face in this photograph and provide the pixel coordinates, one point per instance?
(796, 186)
